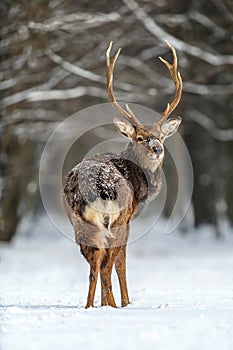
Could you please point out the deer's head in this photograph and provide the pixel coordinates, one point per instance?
(147, 139)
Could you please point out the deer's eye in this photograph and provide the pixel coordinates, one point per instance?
(140, 138)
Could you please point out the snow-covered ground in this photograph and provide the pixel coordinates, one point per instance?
(181, 290)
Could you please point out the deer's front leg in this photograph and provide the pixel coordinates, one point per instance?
(120, 267)
(94, 262)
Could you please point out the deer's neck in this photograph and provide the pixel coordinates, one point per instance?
(137, 155)
(151, 170)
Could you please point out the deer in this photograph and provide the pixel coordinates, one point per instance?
(102, 193)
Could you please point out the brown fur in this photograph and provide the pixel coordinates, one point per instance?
(101, 221)
(101, 193)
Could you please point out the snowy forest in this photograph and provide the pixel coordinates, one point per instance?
(53, 71)
(53, 65)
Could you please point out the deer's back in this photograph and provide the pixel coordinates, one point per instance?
(104, 190)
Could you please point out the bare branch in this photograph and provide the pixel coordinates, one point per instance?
(69, 22)
(44, 95)
(166, 84)
(209, 125)
(23, 95)
(74, 68)
(65, 94)
(206, 22)
(18, 96)
(6, 84)
(223, 9)
(202, 89)
(161, 34)
(174, 19)
(81, 72)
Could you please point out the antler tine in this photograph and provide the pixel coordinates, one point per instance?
(128, 113)
(176, 77)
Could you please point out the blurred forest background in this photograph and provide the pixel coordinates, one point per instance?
(53, 64)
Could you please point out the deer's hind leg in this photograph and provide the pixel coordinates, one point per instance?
(94, 257)
(105, 275)
(104, 300)
(120, 266)
(106, 283)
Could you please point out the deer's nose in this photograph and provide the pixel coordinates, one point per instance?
(158, 150)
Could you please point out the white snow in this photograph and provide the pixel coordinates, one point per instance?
(181, 291)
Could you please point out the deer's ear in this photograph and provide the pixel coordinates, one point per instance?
(170, 126)
(125, 128)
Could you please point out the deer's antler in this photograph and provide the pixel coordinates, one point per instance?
(176, 77)
(128, 113)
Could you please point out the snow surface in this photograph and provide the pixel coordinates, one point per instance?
(181, 291)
